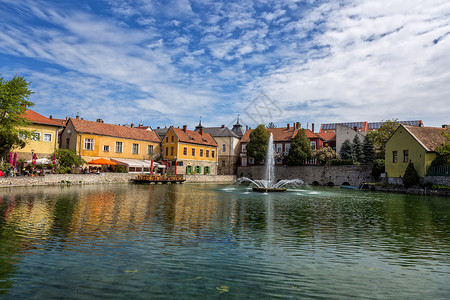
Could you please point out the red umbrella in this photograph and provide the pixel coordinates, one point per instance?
(54, 159)
(34, 159)
(151, 167)
(15, 160)
(10, 158)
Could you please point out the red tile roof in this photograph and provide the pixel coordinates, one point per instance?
(282, 134)
(428, 137)
(194, 137)
(40, 119)
(327, 136)
(98, 128)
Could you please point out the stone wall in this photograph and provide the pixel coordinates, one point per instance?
(58, 179)
(441, 180)
(211, 178)
(321, 175)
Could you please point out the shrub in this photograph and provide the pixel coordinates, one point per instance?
(410, 178)
(378, 168)
(121, 169)
(63, 170)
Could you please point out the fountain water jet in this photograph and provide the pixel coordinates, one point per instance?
(267, 184)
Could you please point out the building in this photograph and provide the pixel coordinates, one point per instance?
(227, 148)
(415, 144)
(190, 152)
(364, 126)
(92, 140)
(45, 137)
(282, 139)
(344, 133)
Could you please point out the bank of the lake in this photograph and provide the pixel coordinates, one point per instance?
(103, 178)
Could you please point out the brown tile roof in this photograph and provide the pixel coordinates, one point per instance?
(114, 130)
(194, 137)
(327, 136)
(40, 119)
(428, 137)
(282, 134)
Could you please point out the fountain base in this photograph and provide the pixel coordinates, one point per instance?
(268, 190)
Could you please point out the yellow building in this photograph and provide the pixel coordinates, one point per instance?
(45, 137)
(92, 140)
(191, 151)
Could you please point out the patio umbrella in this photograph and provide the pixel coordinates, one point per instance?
(151, 167)
(54, 159)
(34, 159)
(175, 167)
(15, 160)
(101, 161)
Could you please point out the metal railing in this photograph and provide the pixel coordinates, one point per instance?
(438, 171)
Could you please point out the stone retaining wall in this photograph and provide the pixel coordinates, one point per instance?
(211, 178)
(321, 175)
(441, 180)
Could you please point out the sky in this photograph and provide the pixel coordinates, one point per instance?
(164, 63)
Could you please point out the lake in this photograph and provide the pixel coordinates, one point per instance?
(206, 241)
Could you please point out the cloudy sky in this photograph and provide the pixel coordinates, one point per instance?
(170, 62)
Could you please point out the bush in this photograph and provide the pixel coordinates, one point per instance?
(121, 169)
(378, 168)
(63, 170)
(341, 162)
(410, 178)
(440, 187)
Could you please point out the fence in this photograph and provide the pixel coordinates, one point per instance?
(438, 171)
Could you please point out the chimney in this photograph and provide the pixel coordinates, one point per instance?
(445, 126)
(201, 131)
(246, 128)
(66, 118)
(50, 117)
(185, 129)
(82, 119)
(288, 125)
(77, 117)
(158, 127)
(312, 127)
(132, 125)
(355, 129)
(298, 125)
(223, 126)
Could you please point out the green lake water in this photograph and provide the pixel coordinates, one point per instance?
(194, 241)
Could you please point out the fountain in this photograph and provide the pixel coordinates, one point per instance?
(267, 184)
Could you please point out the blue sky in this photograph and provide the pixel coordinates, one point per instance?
(170, 62)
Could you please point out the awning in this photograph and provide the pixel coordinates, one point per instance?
(41, 161)
(101, 161)
(136, 163)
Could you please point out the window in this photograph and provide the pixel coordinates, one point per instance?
(207, 153)
(193, 151)
(167, 151)
(212, 153)
(36, 136)
(279, 148)
(198, 169)
(313, 145)
(167, 139)
(185, 151)
(171, 150)
(201, 152)
(119, 147)
(394, 156)
(47, 137)
(105, 148)
(188, 169)
(135, 149)
(224, 147)
(223, 164)
(244, 148)
(149, 149)
(251, 160)
(88, 144)
(287, 147)
(171, 139)
(405, 156)
(207, 170)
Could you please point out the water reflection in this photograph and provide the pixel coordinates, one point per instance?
(210, 240)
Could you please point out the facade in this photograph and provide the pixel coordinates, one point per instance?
(344, 133)
(282, 139)
(45, 140)
(189, 152)
(411, 143)
(92, 140)
(227, 148)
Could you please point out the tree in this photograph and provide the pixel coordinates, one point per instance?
(257, 146)
(324, 154)
(300, 149)
(357, 147)
(380, 137)
(443, 152)
(272, 125)
(368, 150)
(410, 178)
(346, 151)
(378, 168)
(14, 94)
(67, 159)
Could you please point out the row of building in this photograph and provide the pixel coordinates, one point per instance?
(207, 150)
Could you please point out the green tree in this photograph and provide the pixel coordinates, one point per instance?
(378, 168)
(324, 155)
(410, 178)
(257, 146)
(272, 125)
(368, 150)
(346, 151)
(357, 147)
(443, 152)
(67, 159)
(380, 137)
(14, 94)
(300, 149)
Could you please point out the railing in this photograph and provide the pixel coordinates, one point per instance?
(438, 171)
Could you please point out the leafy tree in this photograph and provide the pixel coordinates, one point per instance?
(346, 151)
(357, 147)
(67, 158)
(14, 94)
(257, 146)
(300, 149)
(443, 152)
(368, 150)
(410, 178)
(324, 154)
(378, 168)
(380, 137)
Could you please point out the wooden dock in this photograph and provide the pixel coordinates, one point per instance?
(159, 178)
